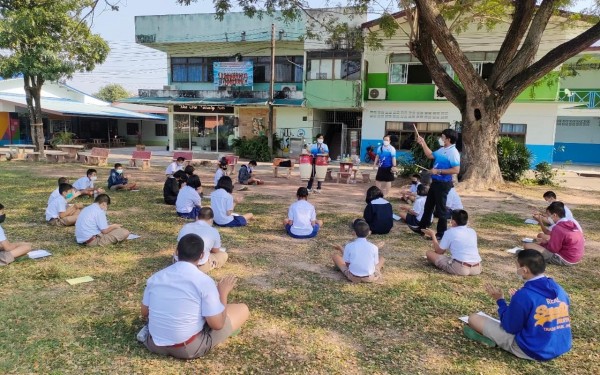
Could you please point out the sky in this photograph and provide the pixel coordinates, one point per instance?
(138, 67)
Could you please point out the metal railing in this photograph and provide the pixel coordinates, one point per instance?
(590, 98)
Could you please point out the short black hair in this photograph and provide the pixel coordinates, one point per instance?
(532, 259)
(252, 163)
(451, 134)
(225, 183)
(102, 198)
(361, 228)
(193, 181)
(302, 192)
(117, 165)
(180, 175)
(206, 213)
(319, 136)
(422, 190)
(64, 187)
(557, 208)
(417, 176)
(550, 194)
(1, 206)
(190, 248)
(373, 193)
(63, 180)
(189, 170)
(90, 171)
(180, 158)
(460, 217)
(223, 162)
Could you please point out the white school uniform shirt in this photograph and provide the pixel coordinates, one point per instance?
(172, 168)
(90, 222)
(302, 213)
(187, 199)
(453, 201)
(55, 207)
(462, 243)
(419, 207)
(2, 235)
(221, 202)
(413, 188)
(362, 255)
(179, 298)
(83, 183)
(54, 194)
(218, 174)
(210, 236)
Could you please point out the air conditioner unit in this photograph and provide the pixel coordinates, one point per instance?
(377, 94)
(288, 88)
(169, 87)
(437, 94)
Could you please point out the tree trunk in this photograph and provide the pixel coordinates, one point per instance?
(33, 89)
(480, 131)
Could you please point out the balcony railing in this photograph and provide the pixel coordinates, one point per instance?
(590, 98)
(212, 94)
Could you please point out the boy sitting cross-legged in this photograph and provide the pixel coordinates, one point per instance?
(359, 261)
(58, 212)
(414, 215)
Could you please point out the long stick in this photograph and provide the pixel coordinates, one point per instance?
(416, 131)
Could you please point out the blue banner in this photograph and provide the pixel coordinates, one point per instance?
(233, 73)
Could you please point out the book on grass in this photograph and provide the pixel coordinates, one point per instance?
(514, 250)
(132, 236)
(36, 254)
(396, 217)
(79, 280)
(466, 317)
(531, 221)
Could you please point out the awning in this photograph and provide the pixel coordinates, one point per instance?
(288, 102)
(197, 101)
(68, 107)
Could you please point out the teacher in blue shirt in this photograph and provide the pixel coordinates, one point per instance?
(319, 148)
(385, 160)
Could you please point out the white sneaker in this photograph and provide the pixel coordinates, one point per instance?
(143, 334)
(318, 191)
(310, 191)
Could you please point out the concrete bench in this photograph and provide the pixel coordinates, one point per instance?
(276, 167)
(33, 155)
(187, 155)
(55, 156)
(142, 158)
(98, 156)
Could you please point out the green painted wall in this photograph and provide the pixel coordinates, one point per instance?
(332, 94)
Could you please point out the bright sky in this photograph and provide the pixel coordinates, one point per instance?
(137, 67)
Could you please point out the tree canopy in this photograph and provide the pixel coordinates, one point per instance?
(112, 93)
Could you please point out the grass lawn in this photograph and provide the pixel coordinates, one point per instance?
(305, 318)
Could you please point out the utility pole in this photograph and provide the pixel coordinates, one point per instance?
(271, 88)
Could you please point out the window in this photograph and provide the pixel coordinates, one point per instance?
(132, 128)
(515, 131)
(288, 68)
(402, 134)
(409, 74)
(194, 69)
(344, 65)
(160, 130)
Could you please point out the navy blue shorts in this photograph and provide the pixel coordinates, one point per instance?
(238, 221)
(412, 220)
(288, 229)
(193, 214)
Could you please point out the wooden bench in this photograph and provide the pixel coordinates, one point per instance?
(142, 157)
(187, 155)
(343, 176)
(98, 156)
(232, 161)
(55, 156)
(33, 155)
(366, 177)
(276, 167)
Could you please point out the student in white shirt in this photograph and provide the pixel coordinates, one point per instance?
(188, 201)
(213, 256)
(92, 228)
(55, 193)
(223, 203)
(413, 216)
(221, 170)
(461, 242)
(85, 185)
(359, 261)
(302, 220)
(175, 166)
(9, 251)
(58, 213)
(187, 313)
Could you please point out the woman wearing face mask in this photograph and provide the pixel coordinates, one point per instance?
(319, 148)
(118, 181)
(385, 160)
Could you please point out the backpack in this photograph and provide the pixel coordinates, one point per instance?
(243, 174)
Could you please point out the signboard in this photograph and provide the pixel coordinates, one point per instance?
(233, 73)
(195, 108)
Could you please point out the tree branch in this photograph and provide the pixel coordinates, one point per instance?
(552, 59)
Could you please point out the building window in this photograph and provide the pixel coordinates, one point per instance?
(132, 128)
(194, 69)
(409, 74)
(160, 130)
(402, 134)
(515, 131)
(343, 65)
(288, 68)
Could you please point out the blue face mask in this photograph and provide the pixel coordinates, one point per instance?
(69, 196)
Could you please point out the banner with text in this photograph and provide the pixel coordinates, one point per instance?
(233, 73)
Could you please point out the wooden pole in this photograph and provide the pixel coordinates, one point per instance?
(271, 89)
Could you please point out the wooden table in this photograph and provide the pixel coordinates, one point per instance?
(19, 150)
(71, 150)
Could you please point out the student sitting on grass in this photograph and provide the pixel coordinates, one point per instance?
(409, 193)
(212, 257)
(175, 166)
(55, 193)
(541, 217)
(188, 200)
(547, 228)
(92, 229)
(189, 170)
(85, 185)
(536, 325)
(10, 251)
(413, 216)
(223, 203)
(246, 174)
(58, 212)
(359, 261)
(172, 186)
(221, 170)
(302, 218)
(187, 311)
(565, 246)
(378, 212)
(118, 181)
(461, 241)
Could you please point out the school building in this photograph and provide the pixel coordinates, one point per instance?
(66, 109)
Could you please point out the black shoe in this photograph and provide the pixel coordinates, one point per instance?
(415, 228)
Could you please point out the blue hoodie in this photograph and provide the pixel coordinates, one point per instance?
(538, 316)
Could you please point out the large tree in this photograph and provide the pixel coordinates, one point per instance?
(434, 25)
(112, 92)
(46, 40)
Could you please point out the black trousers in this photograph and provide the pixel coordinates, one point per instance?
(436, 199)
(312, 177)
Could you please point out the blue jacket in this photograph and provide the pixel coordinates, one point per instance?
(538, 316)
(115, 178)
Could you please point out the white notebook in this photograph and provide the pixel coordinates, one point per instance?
(466, 317)
(36, 254)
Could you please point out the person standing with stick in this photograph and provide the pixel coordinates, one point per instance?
(319, 148)
(385, 160)
(446, 162)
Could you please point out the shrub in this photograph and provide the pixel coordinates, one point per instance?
(514, 159)
(62, 138)
(256, 148)
(408, 165)
(545, 174)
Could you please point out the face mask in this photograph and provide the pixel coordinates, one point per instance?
(2, 218)
(441, 142)
(550, 220)
(224, 168)
(69, 196)
(93, 178)
(119, 171)
(414, 182)
(319, 141)
(386, 143)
